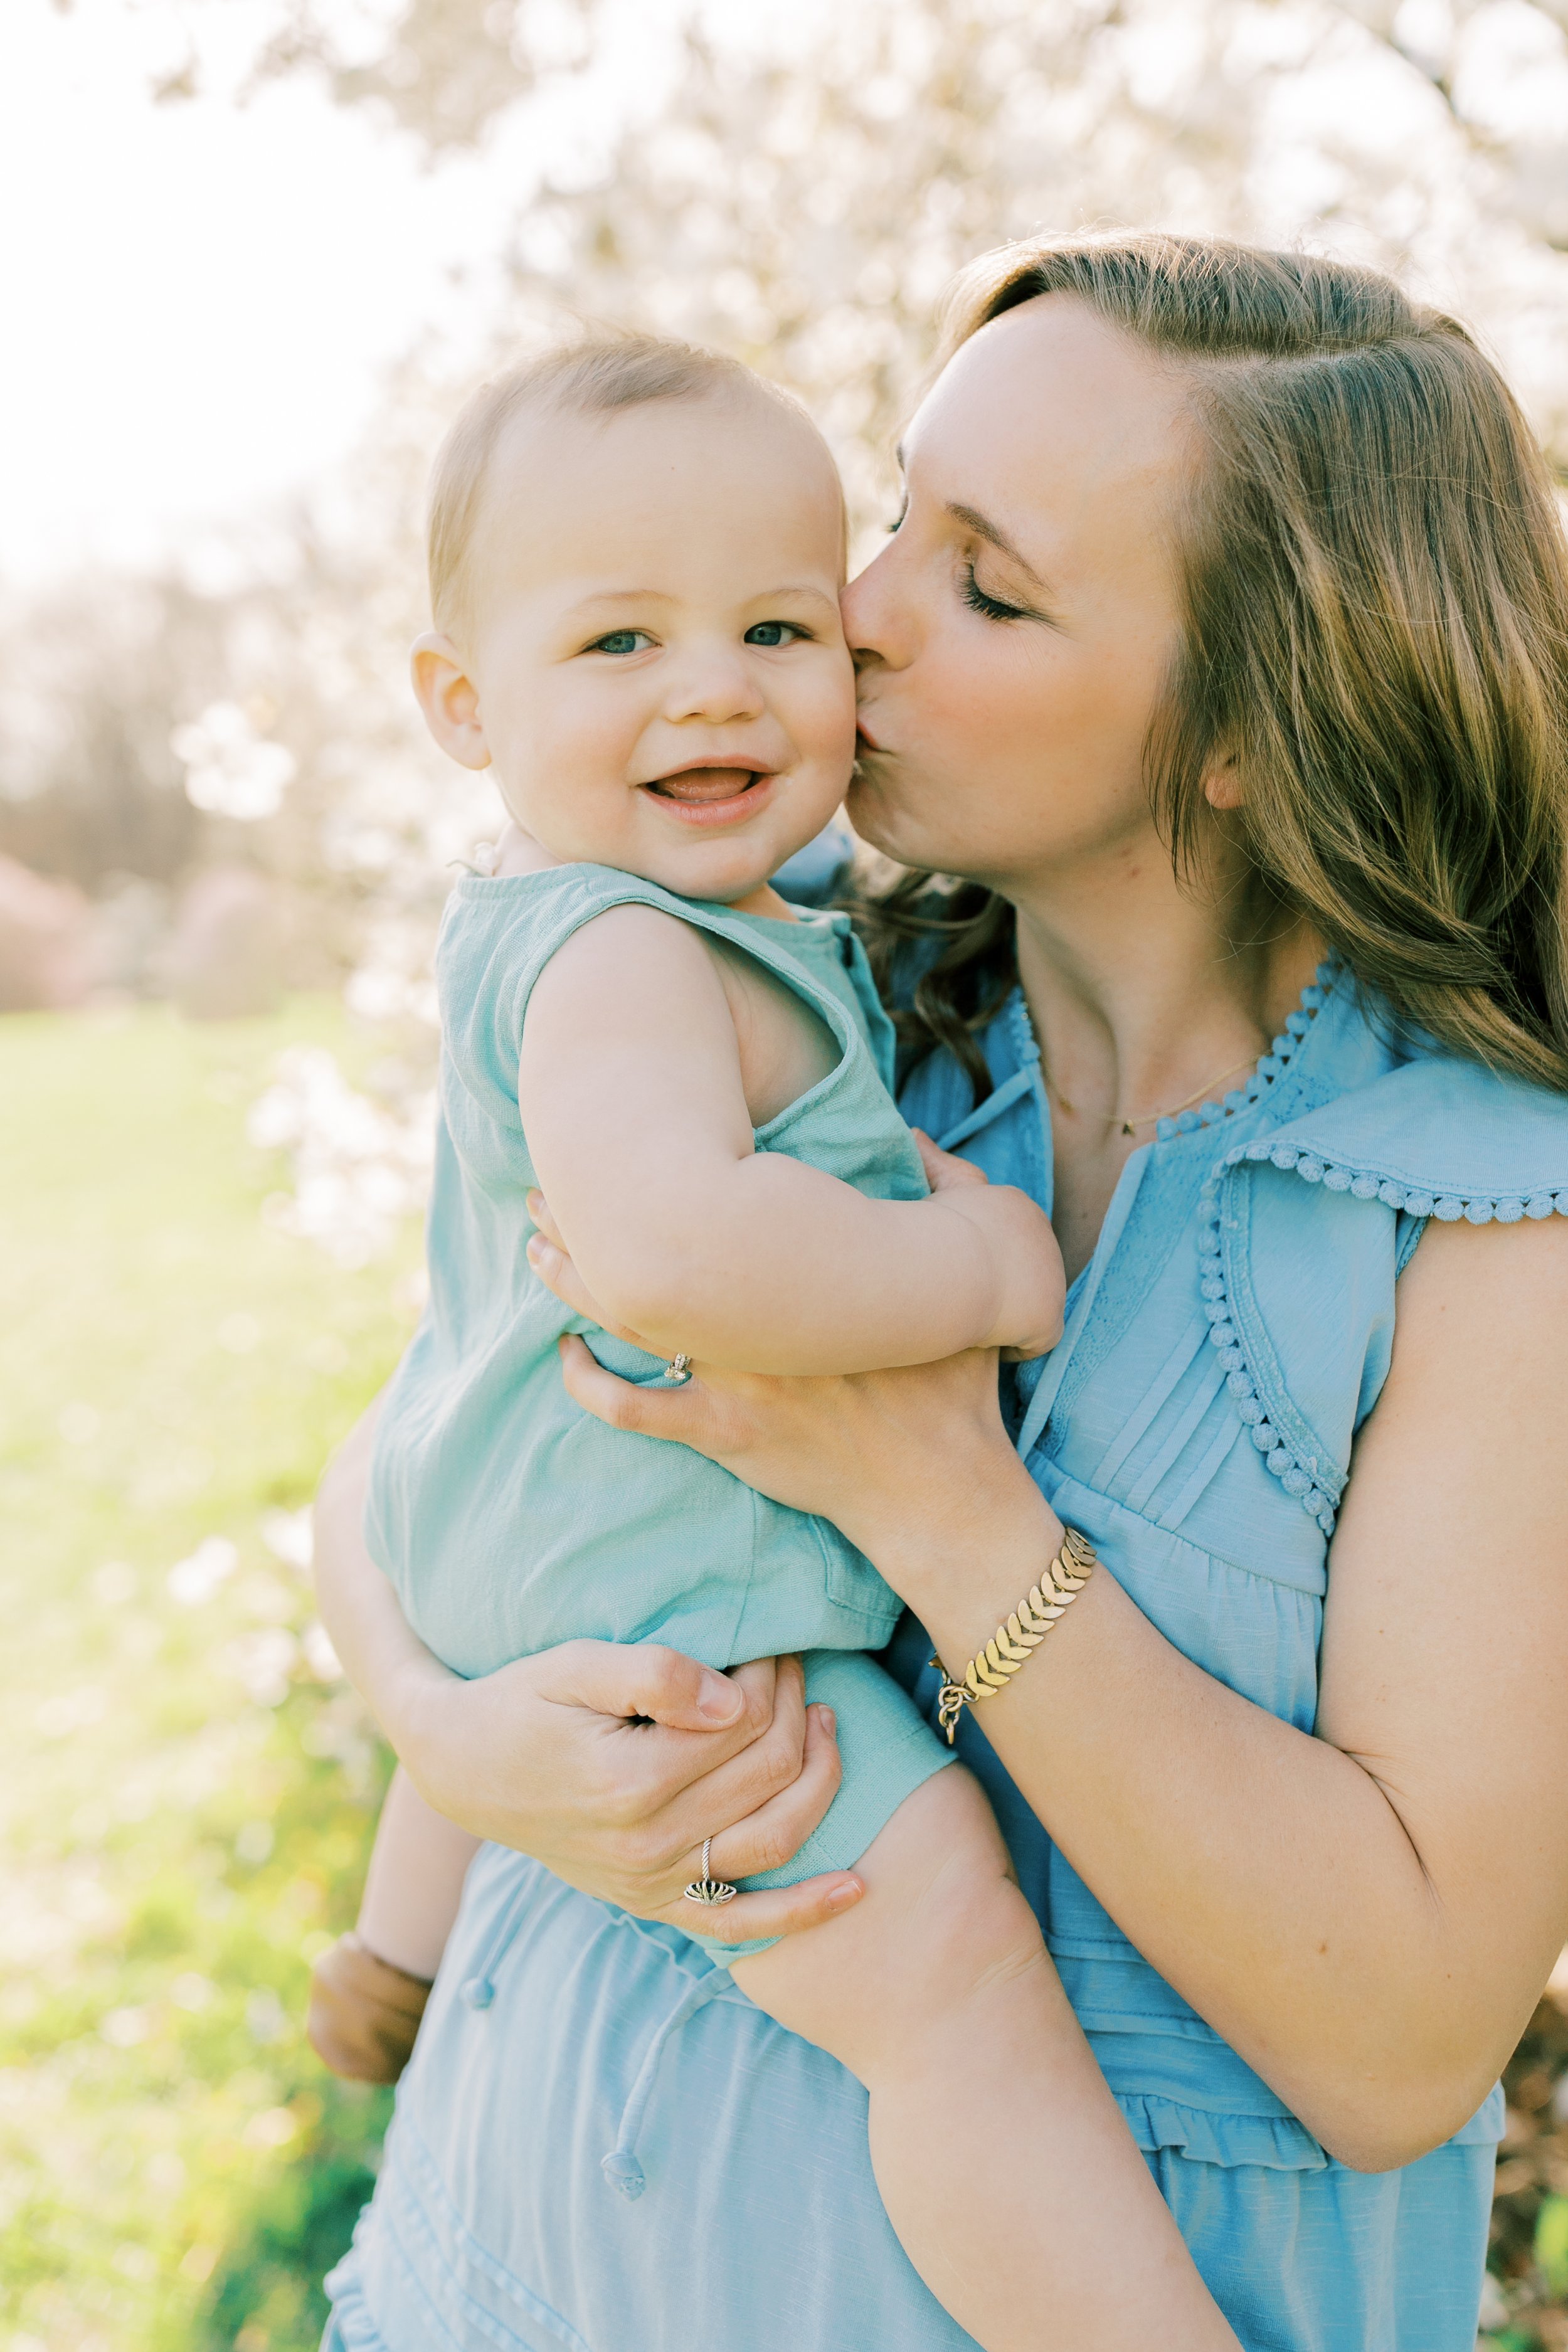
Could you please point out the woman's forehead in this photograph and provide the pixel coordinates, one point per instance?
(1050, 411)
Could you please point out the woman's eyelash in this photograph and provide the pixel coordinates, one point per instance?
(974, 597)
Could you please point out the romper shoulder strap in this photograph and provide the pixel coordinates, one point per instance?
(546, 909)
(500, 932)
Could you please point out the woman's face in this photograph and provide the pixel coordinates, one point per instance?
(1014, 636)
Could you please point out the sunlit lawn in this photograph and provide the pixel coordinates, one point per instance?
(185, 1788)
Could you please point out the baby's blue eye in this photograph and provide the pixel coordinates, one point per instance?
(621, 641)
(773, 633)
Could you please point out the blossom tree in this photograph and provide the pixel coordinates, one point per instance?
(796, 184)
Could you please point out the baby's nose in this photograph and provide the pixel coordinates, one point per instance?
(719, 686)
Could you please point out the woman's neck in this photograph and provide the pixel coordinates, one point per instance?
(1145, 998)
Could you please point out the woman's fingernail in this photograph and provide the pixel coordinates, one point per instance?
(539, 1250)
(720, 1701)
(829, 1720)
(842, 1896)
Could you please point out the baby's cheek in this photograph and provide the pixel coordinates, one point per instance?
(825, 727)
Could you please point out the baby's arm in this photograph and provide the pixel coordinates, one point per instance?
(632, 1100)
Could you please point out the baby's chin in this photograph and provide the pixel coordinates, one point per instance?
(693, 845)
(724, 873)
(722, 862)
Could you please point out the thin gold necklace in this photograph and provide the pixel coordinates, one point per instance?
(1151, 1117)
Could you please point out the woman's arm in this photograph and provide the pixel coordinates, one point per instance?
(632, 1094)
(608, 1763)
(1366, 1915)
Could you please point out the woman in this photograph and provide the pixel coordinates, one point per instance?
(1243, 558)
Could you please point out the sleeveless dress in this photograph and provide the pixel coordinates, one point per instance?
(506, 1517)
(601, 2144)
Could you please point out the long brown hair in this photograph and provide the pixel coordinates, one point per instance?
(1374, 583)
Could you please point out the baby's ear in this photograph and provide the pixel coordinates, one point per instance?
(449, 699)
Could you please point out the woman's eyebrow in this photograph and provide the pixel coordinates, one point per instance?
(992, 533)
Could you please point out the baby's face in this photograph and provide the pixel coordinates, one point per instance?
(659, 676)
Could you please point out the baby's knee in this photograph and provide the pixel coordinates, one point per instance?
(971, 1930)
(942, 1927)
(941, 1859)
(943, 1922)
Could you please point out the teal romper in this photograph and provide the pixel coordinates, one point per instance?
(601, 2146)
(507, 1518)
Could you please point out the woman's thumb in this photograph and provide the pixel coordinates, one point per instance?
(644, 1678)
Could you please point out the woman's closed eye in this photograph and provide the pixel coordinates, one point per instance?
(774, 632)
(993, 607)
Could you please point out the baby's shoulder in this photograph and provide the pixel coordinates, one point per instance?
(501, 929)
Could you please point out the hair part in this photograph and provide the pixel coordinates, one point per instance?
(1373, 580)
(599, 372)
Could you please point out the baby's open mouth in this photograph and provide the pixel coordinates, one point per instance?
(700, 787)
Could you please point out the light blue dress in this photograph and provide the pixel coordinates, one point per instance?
(601, 2144)
(506, 1517)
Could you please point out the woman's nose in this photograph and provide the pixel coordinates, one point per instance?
(875, 624)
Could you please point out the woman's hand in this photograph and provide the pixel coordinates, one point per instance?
(609, 1763)
(604, 1762)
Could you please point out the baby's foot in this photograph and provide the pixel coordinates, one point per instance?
(364, 2012)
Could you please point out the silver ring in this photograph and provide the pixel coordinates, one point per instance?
(678, 1372)
(706, 1890)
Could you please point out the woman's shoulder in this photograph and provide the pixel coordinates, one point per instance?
(1305, 1230)
(1432, 1136)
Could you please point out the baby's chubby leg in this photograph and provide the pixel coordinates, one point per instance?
(1005, 2164)
(368, 1994)
(415, 1881)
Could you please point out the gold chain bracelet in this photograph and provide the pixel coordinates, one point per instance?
(1014, 1644)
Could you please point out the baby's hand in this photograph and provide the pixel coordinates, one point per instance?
(1031, 1282)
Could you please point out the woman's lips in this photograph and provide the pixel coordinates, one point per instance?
(710, 796)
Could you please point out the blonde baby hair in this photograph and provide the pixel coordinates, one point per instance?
(596, 374)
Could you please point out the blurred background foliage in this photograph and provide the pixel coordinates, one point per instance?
(216, 803)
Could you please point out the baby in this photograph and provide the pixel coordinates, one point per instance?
(636, 551)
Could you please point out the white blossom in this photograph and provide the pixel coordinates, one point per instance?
(230, 770)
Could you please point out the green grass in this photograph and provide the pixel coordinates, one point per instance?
(183, 1802)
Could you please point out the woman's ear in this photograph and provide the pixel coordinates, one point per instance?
(449, 699)
(1222, 784)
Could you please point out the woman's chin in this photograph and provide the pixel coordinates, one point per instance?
(872, 808)
(905, 844)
